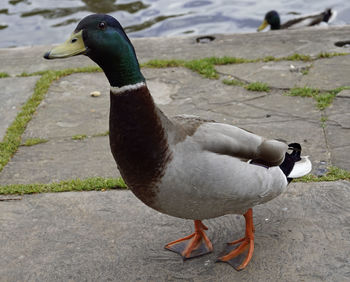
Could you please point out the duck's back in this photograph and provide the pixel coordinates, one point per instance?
(208, 175)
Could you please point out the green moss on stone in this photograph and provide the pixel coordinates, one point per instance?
(333, 174)
(4, 74)
(79, 137)
(95, 183)
(34, 141)
(257, 86)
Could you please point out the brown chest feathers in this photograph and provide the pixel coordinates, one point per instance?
(138, 142)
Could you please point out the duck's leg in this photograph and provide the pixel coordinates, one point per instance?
(194, 245)
(236, 257)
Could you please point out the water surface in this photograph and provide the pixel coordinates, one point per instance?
(34, 22)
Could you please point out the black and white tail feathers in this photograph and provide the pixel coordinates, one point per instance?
(295, 165)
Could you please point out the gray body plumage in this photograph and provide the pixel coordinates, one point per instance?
(209, 176)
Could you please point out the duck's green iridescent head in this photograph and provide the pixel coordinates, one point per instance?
(272, 18)
(102, 39)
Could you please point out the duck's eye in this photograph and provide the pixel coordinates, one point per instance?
(102, 25)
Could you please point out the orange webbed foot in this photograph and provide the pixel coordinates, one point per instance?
(194, 245)
(240, 256)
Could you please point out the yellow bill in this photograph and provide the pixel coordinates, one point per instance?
(72, 47)
(263, 25)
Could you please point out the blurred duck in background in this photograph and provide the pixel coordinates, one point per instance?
(272, 18)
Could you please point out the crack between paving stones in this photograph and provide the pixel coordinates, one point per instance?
(255, 98)
(265, 122)
(331, 122)
(276, 113)
(280, 114)
(272, 87)
(329, 152)
(335, 123)
(260, 117)
(341, 146)
(237, 102)
(62, 138)
(247, 81)
(10, 199)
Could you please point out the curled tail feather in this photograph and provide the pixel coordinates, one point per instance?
(295, 165)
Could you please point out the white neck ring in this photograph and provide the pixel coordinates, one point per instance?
(118, 90)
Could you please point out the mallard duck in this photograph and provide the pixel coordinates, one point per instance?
(272, 18)
(185, 167)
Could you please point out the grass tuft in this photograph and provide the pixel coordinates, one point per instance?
(163, 63)
(339, 89)
(324, 119)
(79, 137)
(298, 57)
(305, 71)
(226, 60)
(324, 100)
(101, 134)
(333, 174)
(268, 59)
(34, 141)
(4, 74)
(301, 57)
(204, 67)
(323, 55)
(257, 86)
(89, 184)
(303, 92)
(24, 74)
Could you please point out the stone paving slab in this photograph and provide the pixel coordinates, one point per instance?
(333, 71)
(69, 109)
(303, 235)
(344, 94)
(288, 74)
(14, 92)
(59, 160)
(252, 45)
(339, 144)
(339, 111)
(338, 130)
(283, 74)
